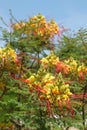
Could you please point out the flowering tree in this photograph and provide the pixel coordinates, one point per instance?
(49, 84)
(29, 39)
(36, 87)
(53, 82)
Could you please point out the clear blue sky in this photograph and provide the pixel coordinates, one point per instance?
(70, 13)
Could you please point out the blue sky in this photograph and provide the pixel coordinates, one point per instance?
(69, 13)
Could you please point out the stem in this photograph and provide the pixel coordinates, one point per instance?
(38, 59)
(17, 124)
(83, 105)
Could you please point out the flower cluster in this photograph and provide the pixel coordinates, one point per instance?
(50, 61)
(38, 26)
(50, 85)
(8, 65)
(77, 69)
(8, 58)
(52, 81)
(18, 26)
(7, 55)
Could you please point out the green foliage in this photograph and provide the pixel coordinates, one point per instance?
(73, 46)
(16, 102)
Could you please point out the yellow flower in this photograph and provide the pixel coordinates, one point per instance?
(32, 79)
(48, 78)
(44, 61)
(64, 87)
(16, 26)
(55, 90)
(58, 98)
(67, 91)
(65, 97)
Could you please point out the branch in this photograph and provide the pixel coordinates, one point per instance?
(17, 123)
(83, 106)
